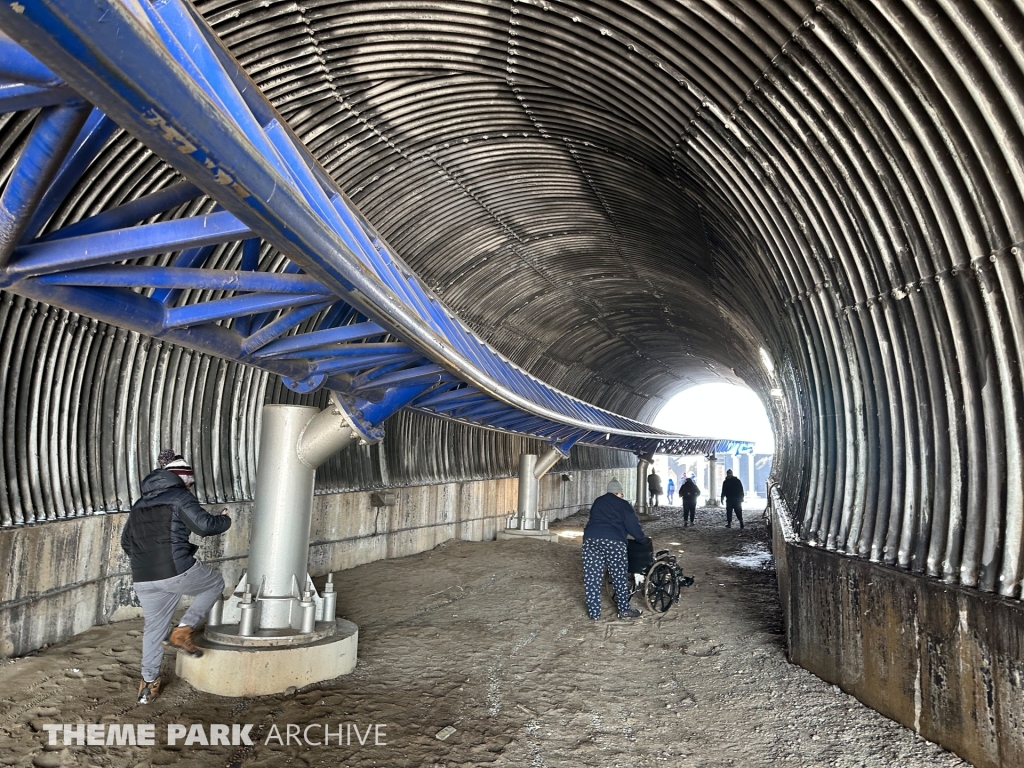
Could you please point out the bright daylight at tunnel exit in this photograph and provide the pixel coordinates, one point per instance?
(728, 409)
(511, 383)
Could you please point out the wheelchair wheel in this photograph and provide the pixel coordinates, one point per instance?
(660, 588)
(608, 591)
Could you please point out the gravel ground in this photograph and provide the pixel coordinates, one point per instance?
(491, 639)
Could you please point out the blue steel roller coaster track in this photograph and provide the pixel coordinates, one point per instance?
(345, 312)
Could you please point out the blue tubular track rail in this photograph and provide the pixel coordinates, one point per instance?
(344, 312)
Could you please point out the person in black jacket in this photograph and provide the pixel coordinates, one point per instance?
(732, 496)
(688, 493)
(654, 489)
(164, 568)
(612, 520)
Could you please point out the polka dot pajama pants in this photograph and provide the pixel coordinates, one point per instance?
(599, 555)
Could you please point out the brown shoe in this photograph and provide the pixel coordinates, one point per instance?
(149, 691)
(181, 638)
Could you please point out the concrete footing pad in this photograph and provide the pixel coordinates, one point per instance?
(229, 670)
(512, 533)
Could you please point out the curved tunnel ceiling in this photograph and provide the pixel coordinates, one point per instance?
(527, 164)
(629, 197)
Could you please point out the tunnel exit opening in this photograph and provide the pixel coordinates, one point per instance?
(719, 409)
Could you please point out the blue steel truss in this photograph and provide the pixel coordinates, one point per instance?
(343, 312)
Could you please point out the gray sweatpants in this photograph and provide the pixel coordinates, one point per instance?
(160, 598)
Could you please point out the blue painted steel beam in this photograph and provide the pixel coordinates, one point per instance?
(190, 258)
(523, 422)
(382, 350)
(91, 139)
(177, 277)
(160, 73)
(456, 406)
(298, 315)
(257, 321)
(104, 247)
(322, 338)
(484, 410)
(435, 373)
(17, 97)
(372, 414)
(517, 418)
(52, 135)
(367, 380)
(140, 314)
(18, 66)
(210, 311)
(451, 396)
(225, 309)
(340, 314)
(130, 213)
(351, 364)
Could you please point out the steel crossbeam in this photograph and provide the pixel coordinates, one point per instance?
(344, 312)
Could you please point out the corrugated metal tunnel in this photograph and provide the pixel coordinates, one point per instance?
(625, 199)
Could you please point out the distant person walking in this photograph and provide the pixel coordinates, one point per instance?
(612, 521)
(670, 490)
(688, 493)
(654, 488)
(156, 540)
(732, 495)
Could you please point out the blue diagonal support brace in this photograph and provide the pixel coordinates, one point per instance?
(106, 247)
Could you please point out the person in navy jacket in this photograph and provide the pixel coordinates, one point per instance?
(612, 521)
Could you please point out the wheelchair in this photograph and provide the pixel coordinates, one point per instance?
(657, 576)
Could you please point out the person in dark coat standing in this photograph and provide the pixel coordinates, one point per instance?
(654, 488)
(688, 493)
(732, 496)
(612, 521)
(164, 568)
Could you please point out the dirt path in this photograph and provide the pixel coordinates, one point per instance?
(492, 639)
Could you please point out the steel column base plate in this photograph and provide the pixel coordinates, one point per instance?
(230, 670)
(514, 533)
(227, 634)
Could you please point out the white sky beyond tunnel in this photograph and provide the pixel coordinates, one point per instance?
(719, 410)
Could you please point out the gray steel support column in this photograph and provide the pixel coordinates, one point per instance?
(531, 469)
(529, 492)
(294, 440)
(750, 475)
(547, 460)
(713, 487)
(641, 485)
(324, 435)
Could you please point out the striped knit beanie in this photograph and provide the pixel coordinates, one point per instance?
(174, 462)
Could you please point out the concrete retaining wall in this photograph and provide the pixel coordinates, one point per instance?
(946, 661)
(60, 578)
